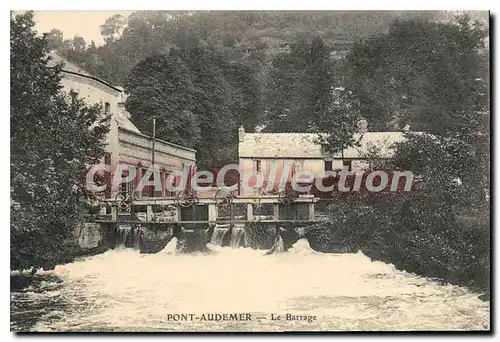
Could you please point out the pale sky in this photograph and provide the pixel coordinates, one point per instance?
(72, 23)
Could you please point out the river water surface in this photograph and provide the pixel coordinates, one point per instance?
(122, 290)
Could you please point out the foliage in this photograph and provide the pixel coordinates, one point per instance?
(431, 75)
(161, 86)
(53, 142)
(199, 98)
(252, 37)
(298, 87)
(301, 96)
(439, 86)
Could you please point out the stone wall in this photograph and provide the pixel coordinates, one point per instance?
(88, 236)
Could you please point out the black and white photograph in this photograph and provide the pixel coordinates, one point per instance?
(236, 171)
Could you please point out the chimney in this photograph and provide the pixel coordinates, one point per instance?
(241, 134)
(362, 126)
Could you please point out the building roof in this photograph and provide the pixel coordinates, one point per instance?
(380, 144)
(125, 123)
(305, 145)
(280, 145)
(71, 68)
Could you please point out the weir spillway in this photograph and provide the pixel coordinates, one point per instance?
(149, 224)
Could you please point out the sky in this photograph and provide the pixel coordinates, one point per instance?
(72, 23)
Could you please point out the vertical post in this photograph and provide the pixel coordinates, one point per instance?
(231, 213)
(250, 212)
(114, 213)
(149, 213)
(311, 211)
(276, 208)
(177, 216)
(163, 184)
(212, 212)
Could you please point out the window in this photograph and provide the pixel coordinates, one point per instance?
(258, 166)
(347, 163)
(107, 107)
(107, 159)
(328, 165)
(73, 95)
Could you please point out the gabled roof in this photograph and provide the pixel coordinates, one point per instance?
(280, 145)
(305, 145)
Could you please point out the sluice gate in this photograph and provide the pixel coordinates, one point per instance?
(148, 224)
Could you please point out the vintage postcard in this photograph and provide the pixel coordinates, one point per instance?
(249, 171)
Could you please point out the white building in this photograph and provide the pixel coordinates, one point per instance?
(263, 152)
(126, 144)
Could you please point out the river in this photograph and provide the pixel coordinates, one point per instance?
(122, 290)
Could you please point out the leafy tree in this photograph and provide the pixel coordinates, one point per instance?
(199, 99)
(299, 88)
(211, 104)
(79, 44)
(162, 86)
(55, 39)
(112, 27)
(53, 142)
(246, 94)
(427, 74)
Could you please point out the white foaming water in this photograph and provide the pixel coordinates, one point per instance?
(122, 290)
(171, 247)
(237, 239)
(218, 234)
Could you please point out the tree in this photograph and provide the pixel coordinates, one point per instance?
(161, 86)
(421, 73)
(112, 27)
(299, 88)
(438, 82)
(55, 39)
(246, 94)
(199, 99)
(79, 44)
(212, 96)
(53, 142)
(431, 75)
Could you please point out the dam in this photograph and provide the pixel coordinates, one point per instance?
(227, 220)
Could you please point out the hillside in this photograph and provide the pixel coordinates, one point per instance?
(249, 36)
